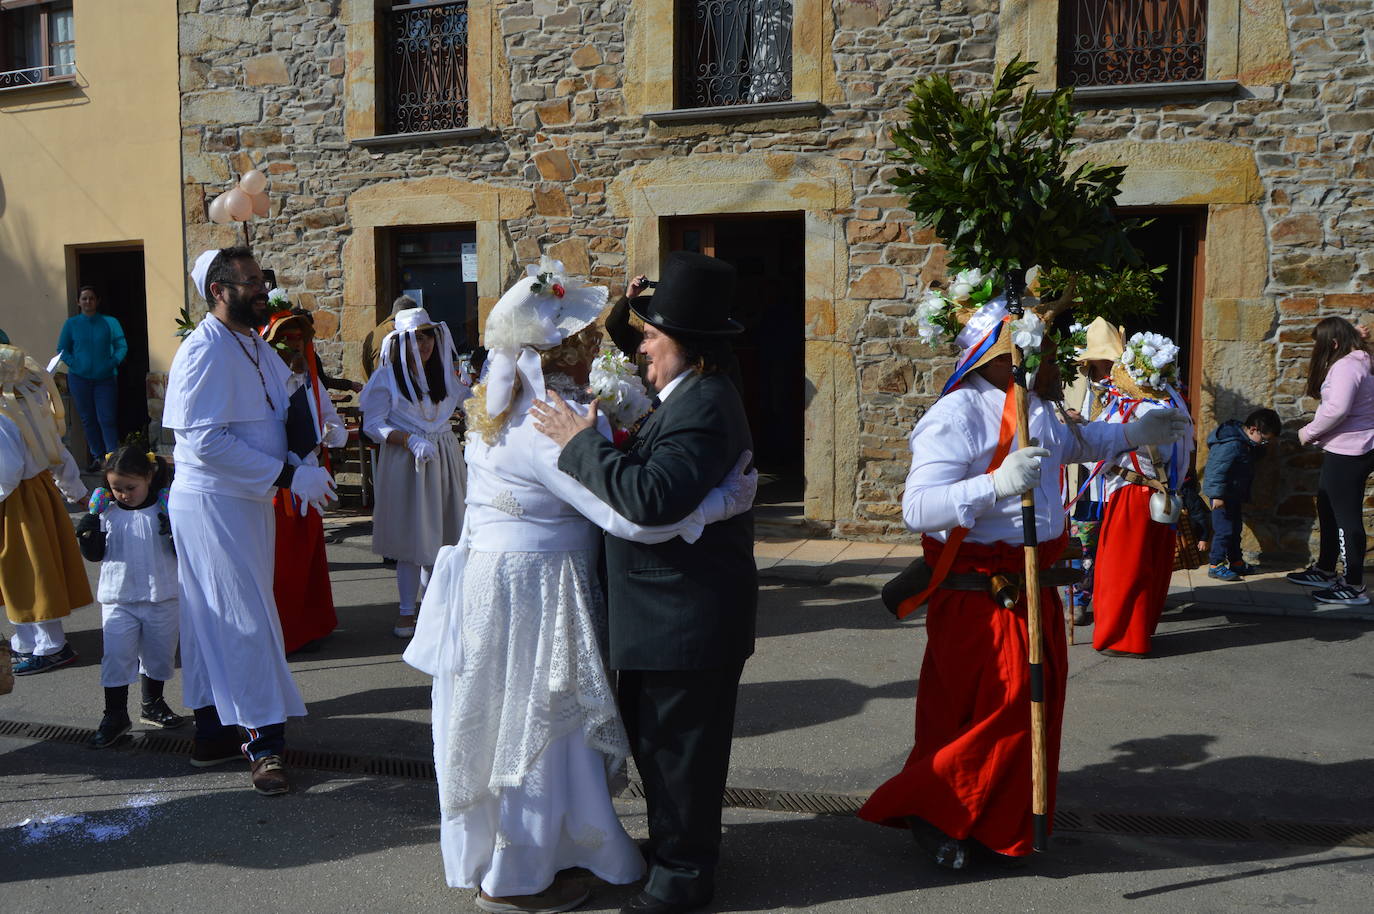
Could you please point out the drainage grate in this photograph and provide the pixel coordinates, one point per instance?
(1317, 834)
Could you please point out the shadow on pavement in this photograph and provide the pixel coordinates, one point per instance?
(772, 707)
(1240, 630)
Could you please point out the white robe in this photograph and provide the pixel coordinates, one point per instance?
(526, 732)
(230, 448)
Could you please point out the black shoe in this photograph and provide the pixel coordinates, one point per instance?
(95, 465)
(644, 903)
(946, 852)
(157, 713)
(112, 728)
(209, 752)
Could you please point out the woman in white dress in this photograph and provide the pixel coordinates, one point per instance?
(526, 733)
(408, 405)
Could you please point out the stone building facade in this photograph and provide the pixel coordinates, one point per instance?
(574, 144)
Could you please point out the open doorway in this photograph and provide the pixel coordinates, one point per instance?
(1174, 239)
(436, 266)
(119, 280)
(768, 255)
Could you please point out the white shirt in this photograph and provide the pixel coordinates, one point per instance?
(18, 464)
(1176, 455)
(951, 447)
(671, 385)
(229, 439)
(139, 564)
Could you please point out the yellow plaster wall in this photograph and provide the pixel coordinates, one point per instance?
(774, 183)
(95, 165)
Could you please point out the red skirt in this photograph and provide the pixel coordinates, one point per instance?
(1135, 559)
(969, 773)
(305, 602)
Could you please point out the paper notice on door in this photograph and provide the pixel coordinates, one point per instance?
(469, 251)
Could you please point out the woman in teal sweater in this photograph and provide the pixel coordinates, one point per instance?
(93, 346)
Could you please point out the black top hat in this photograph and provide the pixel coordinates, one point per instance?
(693, 297)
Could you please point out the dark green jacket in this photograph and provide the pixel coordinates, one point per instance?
(675, 606)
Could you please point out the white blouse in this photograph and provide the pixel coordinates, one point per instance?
(386, 409)
(948, 484)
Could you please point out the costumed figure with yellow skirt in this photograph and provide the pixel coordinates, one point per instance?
(42, 577)
(305, 600)
(1138, 537)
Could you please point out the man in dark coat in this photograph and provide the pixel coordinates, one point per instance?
(681, 616)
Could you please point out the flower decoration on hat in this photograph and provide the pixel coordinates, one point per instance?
(1148, 369)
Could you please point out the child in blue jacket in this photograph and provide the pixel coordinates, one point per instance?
(1226, 481)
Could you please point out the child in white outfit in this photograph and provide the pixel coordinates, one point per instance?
(128, 531)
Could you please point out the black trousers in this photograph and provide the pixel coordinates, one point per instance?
(1340, 513)
(680, 723)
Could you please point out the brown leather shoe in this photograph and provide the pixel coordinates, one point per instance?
(269, 776)
(562, 895)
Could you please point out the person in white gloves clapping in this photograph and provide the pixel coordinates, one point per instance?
(408, 406)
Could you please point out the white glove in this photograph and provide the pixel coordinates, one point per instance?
(423, 449)
(1159, 426)
(315, 486)
(734, 495)
(740, 487)
(1019, 473)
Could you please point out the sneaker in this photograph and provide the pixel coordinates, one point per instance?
(405, 625)
(157, 713)
(560, 896)
(34, 664)
(112, 728)
(207, 753)
(269, 776)
(1312, 576)
(1244, 568)
(1342, 595)
(1223, 573)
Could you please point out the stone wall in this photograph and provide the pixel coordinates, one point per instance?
(263, 85)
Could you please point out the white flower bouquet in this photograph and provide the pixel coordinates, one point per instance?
(1151, 360)
(615, 382)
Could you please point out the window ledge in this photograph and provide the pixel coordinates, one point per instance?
(1212, 88)
(430, 136)
(716, 112)
(58, 82)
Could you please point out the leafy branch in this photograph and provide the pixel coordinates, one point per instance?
(991, 178)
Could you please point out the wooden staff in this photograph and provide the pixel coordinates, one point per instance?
(1034, 629)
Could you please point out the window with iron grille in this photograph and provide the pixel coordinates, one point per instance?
(734, 52)
(1129, 42)
(37, 43)
(427, 66)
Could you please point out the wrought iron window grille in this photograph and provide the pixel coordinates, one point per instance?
(38, 76)
(1132, 42)
(734, 52)
(427, 66)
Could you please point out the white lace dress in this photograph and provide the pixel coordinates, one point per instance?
(526, 734)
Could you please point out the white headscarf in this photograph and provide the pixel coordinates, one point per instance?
(408, 322)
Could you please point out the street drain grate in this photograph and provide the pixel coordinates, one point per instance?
(1317, 834)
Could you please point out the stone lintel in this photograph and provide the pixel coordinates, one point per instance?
(430, 136)
(1094, 96)
(717, 112)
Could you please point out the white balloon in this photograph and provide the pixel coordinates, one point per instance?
(253, 182)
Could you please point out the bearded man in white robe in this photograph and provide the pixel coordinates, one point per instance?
(227, 406)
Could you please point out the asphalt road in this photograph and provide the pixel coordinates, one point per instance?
(1237, 720)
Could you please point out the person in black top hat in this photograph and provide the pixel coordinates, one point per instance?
(681, 616)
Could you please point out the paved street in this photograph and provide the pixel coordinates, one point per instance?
(1241, 719)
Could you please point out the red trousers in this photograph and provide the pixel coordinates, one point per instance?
(305, 602)
(1135, 559)
(969, 773)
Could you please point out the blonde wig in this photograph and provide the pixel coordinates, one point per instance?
(578, 349)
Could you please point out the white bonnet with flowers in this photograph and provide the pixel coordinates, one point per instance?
(542, 309)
